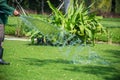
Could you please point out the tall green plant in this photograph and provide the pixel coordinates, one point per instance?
(78, 21)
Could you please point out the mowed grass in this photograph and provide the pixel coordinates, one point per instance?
(111, 22)
(32, 62)
(113, 27)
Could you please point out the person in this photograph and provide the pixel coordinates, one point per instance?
(5, 11)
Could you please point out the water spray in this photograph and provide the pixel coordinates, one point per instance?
(74, 51)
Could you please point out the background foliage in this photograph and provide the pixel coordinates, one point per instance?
(113, 27)
(15, 28)
(41, 6)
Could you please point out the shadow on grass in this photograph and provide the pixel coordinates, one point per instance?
(113, 77)
(40, 62)
(2, 76)
(115, 53)
(114, 56)
(107, 73)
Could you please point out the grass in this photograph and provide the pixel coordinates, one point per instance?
(111, 22)
(113, 27)
(31, 62)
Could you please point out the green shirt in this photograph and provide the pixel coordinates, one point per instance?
(5, 11)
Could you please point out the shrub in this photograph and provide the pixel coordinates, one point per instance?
(78, 21)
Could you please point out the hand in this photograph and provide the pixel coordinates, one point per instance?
(16, 13)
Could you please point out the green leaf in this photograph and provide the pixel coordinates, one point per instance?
(88, 32)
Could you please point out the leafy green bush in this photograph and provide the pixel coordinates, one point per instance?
(78, 21)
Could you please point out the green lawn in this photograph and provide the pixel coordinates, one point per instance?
(111, 22)
(31, 62)
(113, 27)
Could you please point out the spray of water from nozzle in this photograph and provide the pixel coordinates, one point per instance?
(72, 51)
